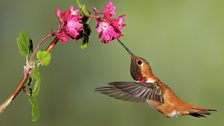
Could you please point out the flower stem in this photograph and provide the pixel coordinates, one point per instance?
(93, 16)
(53, 43)
(25, 78)
(38, 45)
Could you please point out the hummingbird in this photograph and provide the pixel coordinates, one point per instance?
(150, 89)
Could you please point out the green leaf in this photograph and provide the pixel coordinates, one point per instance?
(84, 10)
(36, 76)
(78, 3)
(35, 108)
(85, 41)
(84, 45)
(36, 88)
(24, 44)
(44, 57)
(35, 73)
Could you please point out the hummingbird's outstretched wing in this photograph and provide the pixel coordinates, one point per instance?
(132, 91)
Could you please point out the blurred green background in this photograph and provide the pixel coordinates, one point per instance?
(183, 41)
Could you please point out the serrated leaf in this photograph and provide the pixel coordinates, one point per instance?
(35, 108)
(23, 42)
(35, 73)
(35, 77)
(36, 88)
(44, 57)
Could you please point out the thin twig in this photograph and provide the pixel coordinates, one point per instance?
(38, 45)
(25, 78)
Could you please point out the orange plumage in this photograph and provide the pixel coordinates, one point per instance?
(150, 89)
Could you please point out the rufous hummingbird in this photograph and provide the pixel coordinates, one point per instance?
(150, 89)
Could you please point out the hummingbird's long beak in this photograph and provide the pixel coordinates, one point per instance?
(125, 47)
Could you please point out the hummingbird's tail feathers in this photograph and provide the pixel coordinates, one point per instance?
(132, 91)
(200, 112)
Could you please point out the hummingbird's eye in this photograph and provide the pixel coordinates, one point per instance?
(139, 62)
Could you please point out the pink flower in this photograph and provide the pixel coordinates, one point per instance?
(118, 23)
(73, 28)
(69, 24)
(108, 27)
(109, 9)
(63, 37)
(106, 32)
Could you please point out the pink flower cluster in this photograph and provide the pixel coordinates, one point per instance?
(69, 24)
(108, 27)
